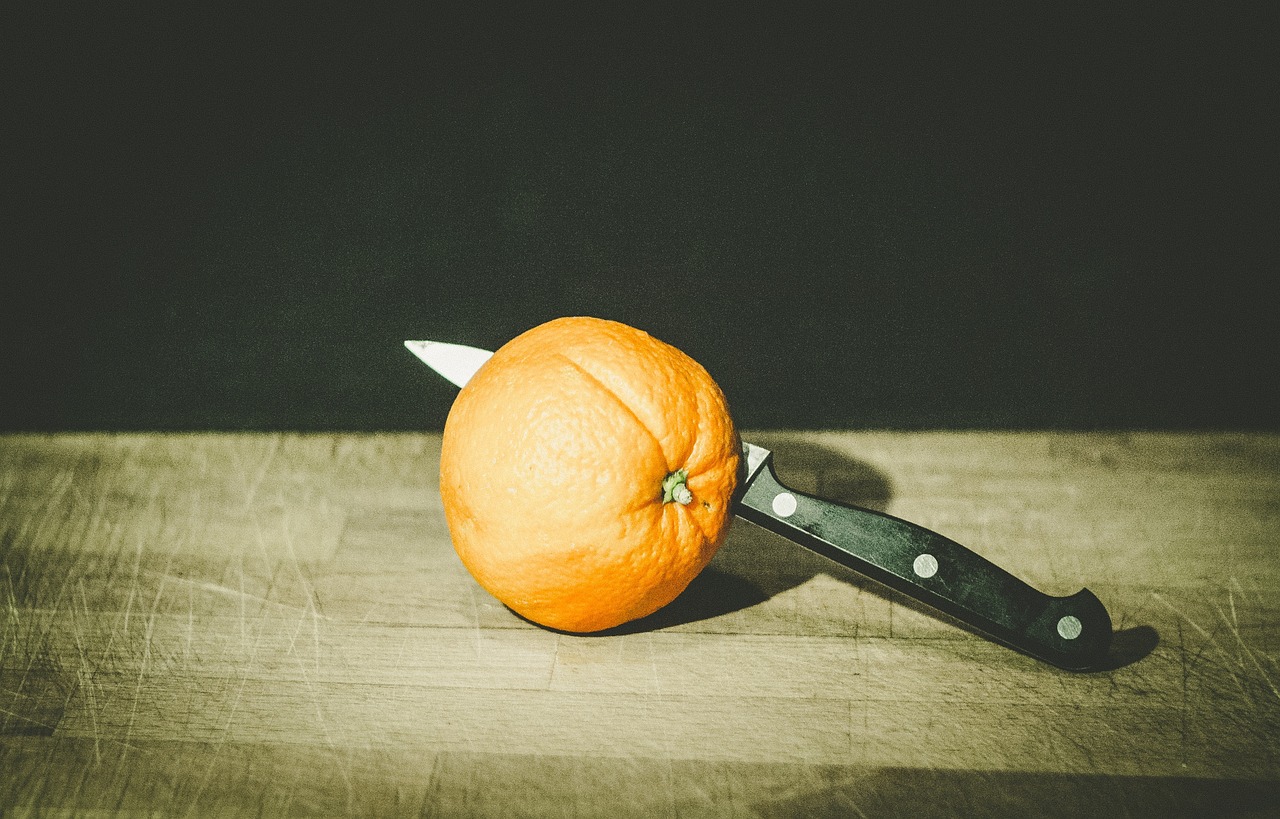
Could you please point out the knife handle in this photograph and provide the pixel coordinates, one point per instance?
(1070, 632)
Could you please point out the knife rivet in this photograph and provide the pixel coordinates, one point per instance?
(1069, 627)
(784, 504)
(926, 565)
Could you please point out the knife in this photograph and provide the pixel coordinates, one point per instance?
(1072, 632)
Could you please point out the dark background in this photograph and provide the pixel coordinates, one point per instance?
(1034, 215)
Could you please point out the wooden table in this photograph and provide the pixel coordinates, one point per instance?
(212, 624)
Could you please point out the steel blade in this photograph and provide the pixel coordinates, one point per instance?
(456, 362)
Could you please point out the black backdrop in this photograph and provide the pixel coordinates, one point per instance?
(933, 217)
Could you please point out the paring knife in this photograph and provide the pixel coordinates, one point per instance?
(1071, 632)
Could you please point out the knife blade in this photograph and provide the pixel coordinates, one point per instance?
(1072, 632)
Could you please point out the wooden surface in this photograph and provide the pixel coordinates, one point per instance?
(277, 624)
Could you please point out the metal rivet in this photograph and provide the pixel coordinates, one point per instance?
(784, 504)
(1069, 627)
(926, 565)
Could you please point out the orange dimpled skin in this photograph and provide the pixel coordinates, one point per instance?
(587, 473)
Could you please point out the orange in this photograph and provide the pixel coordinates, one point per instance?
(587, 473)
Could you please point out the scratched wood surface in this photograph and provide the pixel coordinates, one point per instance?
(276, 624)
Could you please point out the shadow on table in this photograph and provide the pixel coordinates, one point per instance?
(754, 566)
(925, 792)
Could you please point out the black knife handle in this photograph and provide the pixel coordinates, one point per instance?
(1070, 632)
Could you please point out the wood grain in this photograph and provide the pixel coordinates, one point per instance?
(269, 623)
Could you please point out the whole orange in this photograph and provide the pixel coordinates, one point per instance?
(587, 473)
